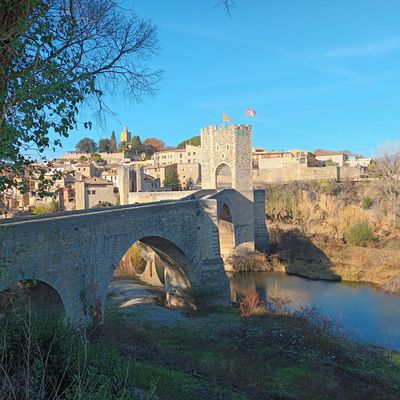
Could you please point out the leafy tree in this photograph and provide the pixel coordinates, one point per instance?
(54, 54)
(156, 144)
(172, 179)
(113, 143)
(136, 144)
(96, 157)
(122, 147)
(86, 145)
(45, 208)
(105, 146)
(194, 141)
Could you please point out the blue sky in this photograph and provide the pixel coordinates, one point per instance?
(319, 74)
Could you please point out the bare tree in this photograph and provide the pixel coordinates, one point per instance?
(227, 4)
(387, 168)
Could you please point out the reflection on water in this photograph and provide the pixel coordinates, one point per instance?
(367, 315)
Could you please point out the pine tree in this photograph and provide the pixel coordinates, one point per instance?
(136, 144)
(172, 179)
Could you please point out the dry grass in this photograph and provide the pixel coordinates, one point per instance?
(251, 304)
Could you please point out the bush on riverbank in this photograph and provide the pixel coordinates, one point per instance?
(359, 234)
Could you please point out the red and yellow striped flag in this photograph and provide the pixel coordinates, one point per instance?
(225, 118)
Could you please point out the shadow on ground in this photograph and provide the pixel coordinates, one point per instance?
(302, 257)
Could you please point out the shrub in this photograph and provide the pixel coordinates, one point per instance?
(359, 234)
(103, 204)
(250, 304)
(45, 208)
(349, 216)
(42, 358)
(367, 203)
(281, 204)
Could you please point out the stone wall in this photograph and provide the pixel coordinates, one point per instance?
(230, 145)
(299, 172)
(147, 197)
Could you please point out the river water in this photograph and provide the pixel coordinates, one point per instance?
(366, 314)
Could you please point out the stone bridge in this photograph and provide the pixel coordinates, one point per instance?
(76, 252)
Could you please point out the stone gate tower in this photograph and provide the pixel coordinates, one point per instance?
(226, 153)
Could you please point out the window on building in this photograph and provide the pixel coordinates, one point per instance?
(188, 154)
(217, 147)
(227, 146)
(188, 161)
(194, 153)
(180, 155)
(88, 192)
(302, 160)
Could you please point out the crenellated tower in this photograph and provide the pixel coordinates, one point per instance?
(226, 157)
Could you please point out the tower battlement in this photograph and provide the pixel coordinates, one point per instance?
(225, 128)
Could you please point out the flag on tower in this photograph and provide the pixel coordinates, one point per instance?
(250, 112)
(226, 118)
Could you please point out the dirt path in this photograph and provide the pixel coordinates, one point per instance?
(139, 301)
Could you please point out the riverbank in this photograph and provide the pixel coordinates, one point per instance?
(316, 257)
(145, 351)
(223, 355)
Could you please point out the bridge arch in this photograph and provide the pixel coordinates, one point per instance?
(33, 295)
(223, 176)
(178, 269)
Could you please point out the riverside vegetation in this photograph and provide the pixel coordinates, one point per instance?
(256, 351)
(339, 231)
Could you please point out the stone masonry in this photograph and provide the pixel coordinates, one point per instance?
(230, 145)
(77, 252)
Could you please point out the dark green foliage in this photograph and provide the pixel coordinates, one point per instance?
(136, 145)
(194, 141)
(367, 203)
(105, 146)
(359, 234)
(86, 145)
(172, 179)
(113, 143)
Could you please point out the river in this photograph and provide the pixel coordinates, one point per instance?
(366, 314)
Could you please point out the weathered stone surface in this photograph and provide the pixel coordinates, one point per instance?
(77, 252)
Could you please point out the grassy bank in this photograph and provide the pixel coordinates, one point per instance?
(217, 356)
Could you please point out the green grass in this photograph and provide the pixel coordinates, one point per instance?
(260, 357)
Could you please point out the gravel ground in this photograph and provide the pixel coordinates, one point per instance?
(139, 301)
